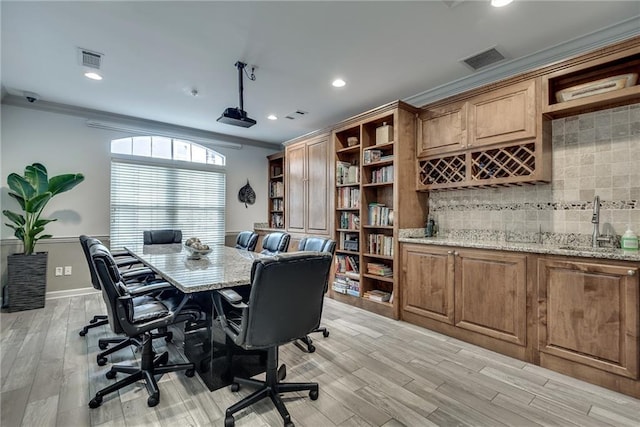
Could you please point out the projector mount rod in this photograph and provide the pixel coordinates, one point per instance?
(240, 66)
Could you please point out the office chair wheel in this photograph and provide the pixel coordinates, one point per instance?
(95, 402)
(311, 348)
(234, 387)
(229, 421)
(83, 332)
(325, 333)
(282, 372)
(103, 345)
(313, 394)
(190, 372)
(101, 361)
(110, 374)
(153, 401)
(169, 337)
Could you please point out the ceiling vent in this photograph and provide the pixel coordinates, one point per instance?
(483, 59)
(90, 59)
(296, 114)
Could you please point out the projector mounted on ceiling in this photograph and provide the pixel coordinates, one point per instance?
(237, 116)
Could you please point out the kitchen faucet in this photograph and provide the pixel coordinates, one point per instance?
(595, 219)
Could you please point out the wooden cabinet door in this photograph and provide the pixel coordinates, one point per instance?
(491, 294)
(589, 314)
(442, 129)
(427, 282)
(295, 195)
(318, 191)
(506, 114)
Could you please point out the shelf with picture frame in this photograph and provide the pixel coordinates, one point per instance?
(383, 147)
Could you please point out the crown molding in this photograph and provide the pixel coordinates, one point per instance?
(130, 122)
(615, 33)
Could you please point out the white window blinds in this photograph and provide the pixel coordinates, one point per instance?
(153, 197)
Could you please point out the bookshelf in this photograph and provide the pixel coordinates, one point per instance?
(275, 205)
(375, 162)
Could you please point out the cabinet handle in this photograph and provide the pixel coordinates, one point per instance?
(455, 253)
(631, 272)
(449, 252)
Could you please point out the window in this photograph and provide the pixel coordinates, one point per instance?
(160, 147)
(179, 187)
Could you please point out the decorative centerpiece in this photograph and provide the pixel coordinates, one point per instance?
(195, 248)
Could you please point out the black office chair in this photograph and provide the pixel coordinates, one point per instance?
(275, 243)
(138, 285)
(247, 240)
(318, 244)
(160, 237)
(138, 321)
(285, 303)
(131, 275)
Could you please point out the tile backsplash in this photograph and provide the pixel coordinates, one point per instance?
(593, 154)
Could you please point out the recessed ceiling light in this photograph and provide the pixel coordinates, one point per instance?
(338, 83)
(93, 76)
(272, 117)
(500, 3)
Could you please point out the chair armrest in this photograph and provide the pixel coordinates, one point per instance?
(144, 271)
(153, 287)
(232, 297)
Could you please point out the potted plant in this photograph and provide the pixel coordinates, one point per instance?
(27, 271)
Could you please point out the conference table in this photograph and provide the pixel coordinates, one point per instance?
(224, 267)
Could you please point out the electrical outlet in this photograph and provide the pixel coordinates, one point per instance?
(58, 271)
(67, 270)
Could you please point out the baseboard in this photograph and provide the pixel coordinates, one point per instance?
(71, 293)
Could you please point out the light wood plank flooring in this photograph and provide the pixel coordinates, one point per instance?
(372, 371)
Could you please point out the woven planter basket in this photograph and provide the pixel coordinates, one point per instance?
(27, 281)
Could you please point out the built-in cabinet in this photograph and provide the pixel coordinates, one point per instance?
(579, 316)
(275, 181)
(468, 293)
(309, 194)
(588, 312)
(374, 161)
(489, 139)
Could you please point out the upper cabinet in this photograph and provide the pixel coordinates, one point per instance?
(603, 80)
(503, 115)
(490, 139)
(308, 196)
(442, 129)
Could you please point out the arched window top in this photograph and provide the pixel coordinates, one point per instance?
(161, 147)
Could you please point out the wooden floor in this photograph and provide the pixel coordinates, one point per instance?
(371, 370)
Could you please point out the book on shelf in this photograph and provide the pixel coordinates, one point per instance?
(371, 156)
(384, 174)
(347, 264)
(377, 295)
(349, 220)
(379, 214)
(348, 197)
(379, 269)
(345, 285)
(277, 220)
(380, 244)
(349, 242)
(347, 173)
(276, 189)
(276, 170)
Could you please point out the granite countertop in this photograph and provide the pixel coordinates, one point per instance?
(538, 248)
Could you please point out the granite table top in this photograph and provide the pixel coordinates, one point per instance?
(222, 268)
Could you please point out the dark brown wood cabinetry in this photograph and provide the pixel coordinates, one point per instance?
(308, 196)
(588, 313)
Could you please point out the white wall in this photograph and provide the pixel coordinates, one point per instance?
(64, 144)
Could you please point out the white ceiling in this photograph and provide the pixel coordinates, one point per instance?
(155, 53)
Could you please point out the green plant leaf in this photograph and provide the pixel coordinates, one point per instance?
(19, 233)
(45, 236)
(16, 218)
(20, 186)
(38, 202)
(36, 174)
(19, 198)
(43, 222)
(61, 183)
(35, 231)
